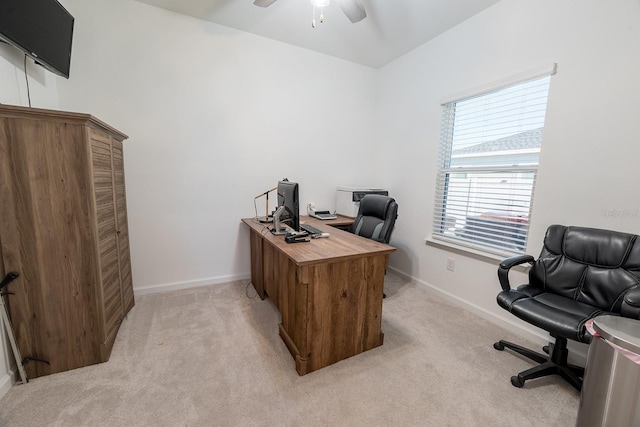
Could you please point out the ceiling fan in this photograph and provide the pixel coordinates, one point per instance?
(353, 9)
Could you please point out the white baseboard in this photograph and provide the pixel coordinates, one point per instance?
(6, 381)
(577, 355)
(154, 289)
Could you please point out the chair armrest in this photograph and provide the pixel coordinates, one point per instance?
(508, 264)
(631, 304)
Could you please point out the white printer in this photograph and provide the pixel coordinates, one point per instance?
(348, 199)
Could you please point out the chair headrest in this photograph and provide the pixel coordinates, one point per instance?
(604, 248)
(376, 205)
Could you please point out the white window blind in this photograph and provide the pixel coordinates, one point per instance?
(489, 149)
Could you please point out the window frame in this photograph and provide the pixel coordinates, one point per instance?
(510, 245)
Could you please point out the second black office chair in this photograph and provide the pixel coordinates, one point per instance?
(581, 273)
(376, 218)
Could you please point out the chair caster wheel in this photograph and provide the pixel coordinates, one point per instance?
(517, 382)
(498, 346)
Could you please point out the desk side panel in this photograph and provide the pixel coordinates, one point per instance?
(344, 309)
(257, 264)
(294, 308)
(277, 268)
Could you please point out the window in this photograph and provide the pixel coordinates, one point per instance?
(489, 149)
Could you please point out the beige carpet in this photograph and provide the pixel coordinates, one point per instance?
(211, 356)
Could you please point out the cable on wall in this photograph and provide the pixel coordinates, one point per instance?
(26, 77)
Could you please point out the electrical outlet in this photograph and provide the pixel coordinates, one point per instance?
(451, 264)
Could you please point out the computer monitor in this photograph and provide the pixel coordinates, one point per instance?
(288, 212)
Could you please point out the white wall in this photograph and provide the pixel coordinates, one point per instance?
(13, 84)
(587, 174)
(215, 116)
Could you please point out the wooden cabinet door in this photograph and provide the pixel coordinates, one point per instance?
(104, 190)
(122, 228)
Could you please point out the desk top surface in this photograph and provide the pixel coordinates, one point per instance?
(339, 245)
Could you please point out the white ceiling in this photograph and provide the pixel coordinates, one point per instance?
(391, 28)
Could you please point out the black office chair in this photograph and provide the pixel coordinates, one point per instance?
(376, 218)
(581, 273)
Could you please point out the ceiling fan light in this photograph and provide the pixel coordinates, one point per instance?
(320, 3)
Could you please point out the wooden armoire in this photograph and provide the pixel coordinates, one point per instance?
(63, 229)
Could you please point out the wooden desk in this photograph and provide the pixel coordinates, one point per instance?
(328, 291)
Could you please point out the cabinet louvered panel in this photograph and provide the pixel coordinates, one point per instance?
(111, 286)
(112, 302)
(123, 228)
(104, 189)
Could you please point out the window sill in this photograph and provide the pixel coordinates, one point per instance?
(481, 255)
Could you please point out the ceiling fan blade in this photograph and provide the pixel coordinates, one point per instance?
(353, 9)
(264, 3)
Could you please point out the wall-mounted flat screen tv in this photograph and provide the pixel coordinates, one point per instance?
(43, 29)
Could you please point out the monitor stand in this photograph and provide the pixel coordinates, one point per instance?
(278, 227)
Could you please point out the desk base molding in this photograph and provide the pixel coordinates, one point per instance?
(301, 362)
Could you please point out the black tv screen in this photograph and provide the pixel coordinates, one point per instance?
(43, 29)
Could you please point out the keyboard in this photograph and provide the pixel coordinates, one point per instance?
(310, 229)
